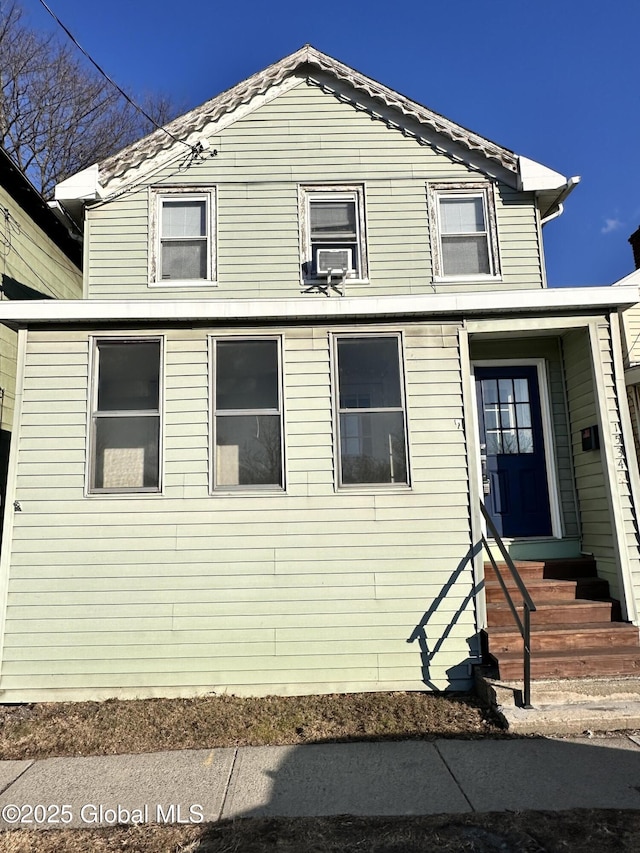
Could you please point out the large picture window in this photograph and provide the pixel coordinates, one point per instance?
(248, 414)
(125, 419)
(371, 411)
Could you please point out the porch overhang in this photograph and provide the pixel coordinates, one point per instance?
(559, 301)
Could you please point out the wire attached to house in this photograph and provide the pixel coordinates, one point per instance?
(195, 149)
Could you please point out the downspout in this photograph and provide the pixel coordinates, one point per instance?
(571, 184)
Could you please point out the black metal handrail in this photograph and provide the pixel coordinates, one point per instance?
(528, 607)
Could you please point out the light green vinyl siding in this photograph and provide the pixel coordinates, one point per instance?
(32, 258)
(549, 349)
(595, 514)
(302, 137)
(306, 591)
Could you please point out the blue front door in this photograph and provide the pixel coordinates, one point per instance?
(516, 493)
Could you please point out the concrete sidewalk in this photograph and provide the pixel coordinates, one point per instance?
(382, 778)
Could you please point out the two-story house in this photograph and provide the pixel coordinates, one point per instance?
(40, 258)
(315, 334)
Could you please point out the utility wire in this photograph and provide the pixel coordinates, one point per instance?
(194, 149)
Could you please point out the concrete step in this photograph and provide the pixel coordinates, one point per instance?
(575, 612)
(563, 706)
(564, 636)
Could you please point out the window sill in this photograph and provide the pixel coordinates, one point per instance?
(321, 282)
(247, 492)
(175, 282)
(480, 279)
(373, 488)
(113, 494)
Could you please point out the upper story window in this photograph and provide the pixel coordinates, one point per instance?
(248, 413)
(125, 416)
(182, 237)
(332, 237)
(464, 237)
(371, 417)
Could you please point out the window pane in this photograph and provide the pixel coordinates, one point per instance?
(505, 387)
(524, 414)
(525, 440)
(373, 448)
(465, 255)
(184, 259)
(127, 452)
(461, 215)
(521, 390)
(494, 442)
(128, 375)
(247, 375)
(248, 450)
(507, 416)
(369, 373)
(332, 220)
(184, 218)
(509, 441)
(490, 390)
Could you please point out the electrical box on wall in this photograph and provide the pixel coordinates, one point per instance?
(591, 438)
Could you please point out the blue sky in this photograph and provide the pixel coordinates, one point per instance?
(554, 80)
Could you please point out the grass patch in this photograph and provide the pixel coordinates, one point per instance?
(578, 831)
(116, 727)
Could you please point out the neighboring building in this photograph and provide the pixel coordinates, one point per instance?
(39, 259)
(316, 330)
(631, 341)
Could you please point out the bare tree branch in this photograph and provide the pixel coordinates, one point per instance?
(57, 114)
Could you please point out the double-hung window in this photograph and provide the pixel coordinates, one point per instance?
(464, 239)
(247, 414)
(183, 239)
(333, 232)
(371, 417)
(125, 416)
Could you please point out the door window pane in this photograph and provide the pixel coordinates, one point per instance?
(507, 424)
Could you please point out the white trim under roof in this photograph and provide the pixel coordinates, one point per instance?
(632, 278)
(546, 301)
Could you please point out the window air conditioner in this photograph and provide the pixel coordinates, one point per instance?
(333, 261)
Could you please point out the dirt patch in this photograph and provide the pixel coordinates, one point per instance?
(150, 725)
(577, 831)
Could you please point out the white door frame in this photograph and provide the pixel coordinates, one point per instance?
(547, 431)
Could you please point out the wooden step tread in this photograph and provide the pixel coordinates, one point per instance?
(547, 603)
(621, 627)
(572, 663)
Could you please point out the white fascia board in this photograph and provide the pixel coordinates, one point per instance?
(535, 177)
(140, 311)
(83, 186)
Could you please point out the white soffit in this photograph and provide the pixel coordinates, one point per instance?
(82, 185)
(534, 176)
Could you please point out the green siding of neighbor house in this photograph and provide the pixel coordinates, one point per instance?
(630, 327)
(306, 135)
(190, 592)
(31, 258)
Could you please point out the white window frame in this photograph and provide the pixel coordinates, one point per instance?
(158, 195)
(337, 411)
(268, 488)
(307, 193)
(94, 414)
(464, 190)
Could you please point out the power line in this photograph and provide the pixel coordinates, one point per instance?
(194, 149)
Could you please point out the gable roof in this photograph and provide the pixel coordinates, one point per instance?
(308, 59)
